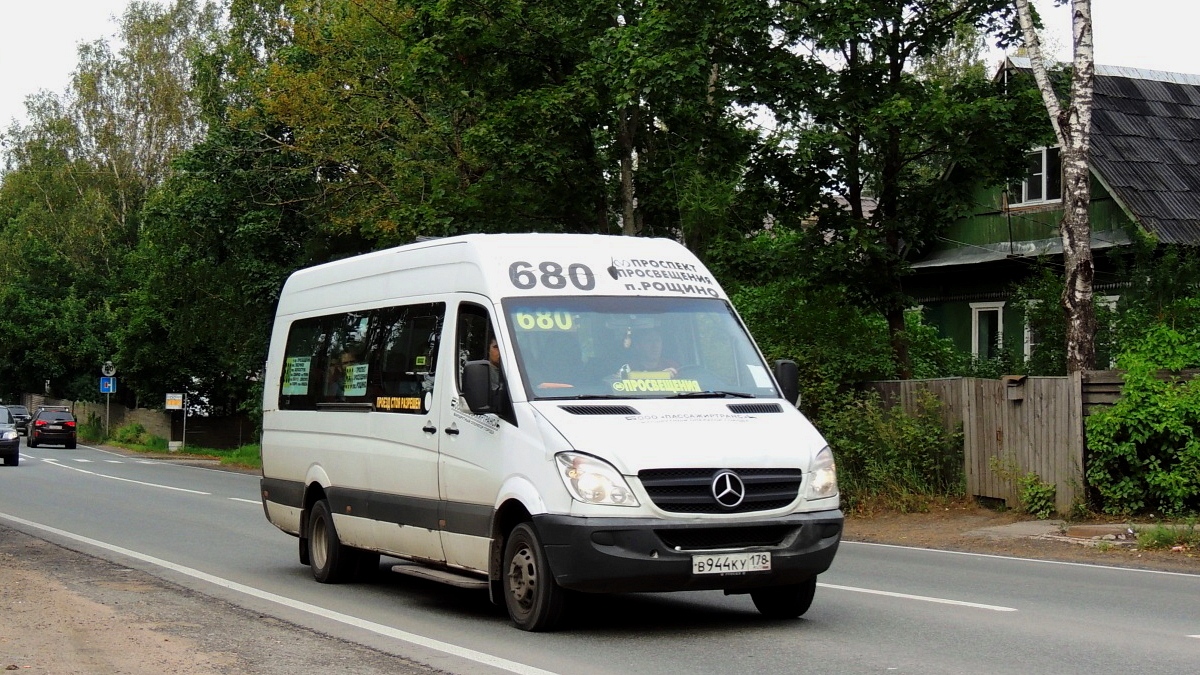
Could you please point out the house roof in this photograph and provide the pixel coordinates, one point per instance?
(1146, 147)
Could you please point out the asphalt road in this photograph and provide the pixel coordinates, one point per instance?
(879, 609)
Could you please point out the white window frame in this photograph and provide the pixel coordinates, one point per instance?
(1020, 199)
(1108, 302)
(1029, 344)
(976, 308)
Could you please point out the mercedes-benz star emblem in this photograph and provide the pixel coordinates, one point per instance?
(728, 489)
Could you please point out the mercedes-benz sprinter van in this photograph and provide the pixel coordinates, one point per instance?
(534, 414)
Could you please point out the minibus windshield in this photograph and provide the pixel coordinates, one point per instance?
(641, 347)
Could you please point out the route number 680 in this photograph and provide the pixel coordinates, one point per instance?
(525, 276)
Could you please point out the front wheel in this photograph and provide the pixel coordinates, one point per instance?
(12, 461)
(535, 601)
(785, 602)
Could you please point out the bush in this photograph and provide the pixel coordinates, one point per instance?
(884, 454)
(92, 430)
(1145, 449)
(834, 343)
(133, 434)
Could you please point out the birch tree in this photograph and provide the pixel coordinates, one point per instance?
(1072, 124)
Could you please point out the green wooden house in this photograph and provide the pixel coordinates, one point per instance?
(1145, 176)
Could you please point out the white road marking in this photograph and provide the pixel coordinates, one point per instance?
(53, 462)
(113, 461)
(379, 629)
(248, 501)
(1194, 636)
(81, 460)
(1031, 560)
(923, 598)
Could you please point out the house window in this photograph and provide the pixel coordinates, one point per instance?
(987, 329)
(1043, 179)
(1106, 310)
(1032, 333)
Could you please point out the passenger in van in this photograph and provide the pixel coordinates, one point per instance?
(335, 376)
(646, 353)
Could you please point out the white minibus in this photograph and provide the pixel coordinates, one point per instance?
(541, 415)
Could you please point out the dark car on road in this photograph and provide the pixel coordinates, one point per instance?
(20, 415)
(52, 426)
(10, 441)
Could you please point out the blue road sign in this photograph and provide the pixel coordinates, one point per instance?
(108, 385)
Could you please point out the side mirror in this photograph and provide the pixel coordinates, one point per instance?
(787, 374)
(477, 386)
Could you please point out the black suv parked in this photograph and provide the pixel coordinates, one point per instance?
(20, 415)
(52, 426)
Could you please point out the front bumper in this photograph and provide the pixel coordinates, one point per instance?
(620, 555)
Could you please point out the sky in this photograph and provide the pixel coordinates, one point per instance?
(38, 39)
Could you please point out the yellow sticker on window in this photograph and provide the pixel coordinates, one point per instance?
(631, 386)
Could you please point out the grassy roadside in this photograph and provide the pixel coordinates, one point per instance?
(135, 438)
(244, 457)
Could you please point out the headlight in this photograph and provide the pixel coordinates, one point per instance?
(593, 481)
(822, 482)
(10, 434)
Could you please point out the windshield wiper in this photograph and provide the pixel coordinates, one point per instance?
(581, 397)
(712, 394)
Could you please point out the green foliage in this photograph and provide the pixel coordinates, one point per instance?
(1169, 536)
(132, 434)
(155, 443)
(1041, 298)
(1145, 449)
(885, 455)
(92, 430)
(834, 343)
(1035, 495)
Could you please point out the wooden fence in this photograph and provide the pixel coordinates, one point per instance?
(1010, 427)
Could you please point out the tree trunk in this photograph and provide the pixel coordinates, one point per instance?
(625, 123)
(1072, 127)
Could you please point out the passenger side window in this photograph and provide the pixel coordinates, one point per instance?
(474, 339)
(381, 359)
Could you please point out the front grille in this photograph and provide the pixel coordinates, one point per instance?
(690, 490)
(599, 409)
(709, 538)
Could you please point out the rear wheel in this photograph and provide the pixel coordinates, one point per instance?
(31, 442)
(331, 562)
(535, 601)
(785, 602)
(71, 445)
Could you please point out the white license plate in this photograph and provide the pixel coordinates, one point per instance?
(55, 427)
(731, 563)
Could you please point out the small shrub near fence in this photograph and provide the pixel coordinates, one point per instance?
(92, 430)
(1145, 449)
(889, 458)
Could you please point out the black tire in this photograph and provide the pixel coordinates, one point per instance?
(12, 461)
(71, 445)
(785, 602)
(331, 562)
(30, 442)
(535, 601)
